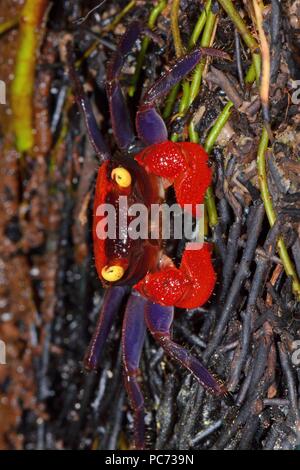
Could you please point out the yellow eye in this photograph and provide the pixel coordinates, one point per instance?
(122, 177)
(112, 273)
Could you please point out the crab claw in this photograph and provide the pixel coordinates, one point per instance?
(191, 184)
(197, 266)
(165, 159)
(184, 164)
(190, 286)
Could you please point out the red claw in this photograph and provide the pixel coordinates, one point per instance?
(164, 287)
(165, 160)
(190, 286)
(197, 266)
(185, 164)
(191, 185)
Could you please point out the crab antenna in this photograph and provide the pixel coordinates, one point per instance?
(94, 133)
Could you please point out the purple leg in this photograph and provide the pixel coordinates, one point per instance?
(150, 125)
(111, 306)
(159, 320)
(133, 335)
(121, 120)
(94, 133)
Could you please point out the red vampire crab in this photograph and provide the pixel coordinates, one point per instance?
(158, 286)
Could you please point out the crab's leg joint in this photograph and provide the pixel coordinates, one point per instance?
(113, 300)
(120, 116)
(150, 125)
(94, 133)
(121, 120)
(133, 335)
(159, 320)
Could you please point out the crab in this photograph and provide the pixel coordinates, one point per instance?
(140, 266)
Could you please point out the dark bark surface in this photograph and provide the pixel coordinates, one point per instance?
(50, 295)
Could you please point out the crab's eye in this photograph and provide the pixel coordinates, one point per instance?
(122, 177)
(112, 273)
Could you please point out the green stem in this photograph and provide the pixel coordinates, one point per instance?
(205, 42)
(188, 98)
(175, 28)
(209, 143)
(184, 102)
(121, 15)
(179, 50)
(251, 74)
(157, 10)
(193, 134)
(211, 208)
(154, 14)
(207, 21)
(240, 24)
(197, 75)
(170, 101)
(217, 127)
(199, 25)
(22, 87)
(256, 58)
(249, 40)
(271, 214)
(9, 24)
(185, 99)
